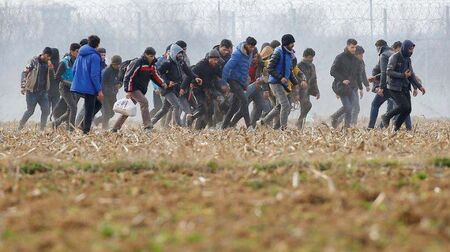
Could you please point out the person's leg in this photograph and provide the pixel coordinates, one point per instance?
(305, 107)
(356, 107)
(107, 111)
(162, 112)
(139, 97)
(408, 123)
(185, 107)
(31, 99)
(157, 104)
(348, 108)
(44, 103)
(235, 105)
(175, 102)
(374, 109)
(396, 109)
(403, 102)
(89, 112)
(282, 100)
(258, 106)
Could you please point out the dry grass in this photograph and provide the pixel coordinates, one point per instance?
(226, 191)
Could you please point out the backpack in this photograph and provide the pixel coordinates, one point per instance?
(123, 69)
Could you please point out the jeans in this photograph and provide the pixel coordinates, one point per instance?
(71, 101)
(403, 109)
(355, 111)
(107, 109)
(408, 121)
(170, 100)
(376, 104)
(34, 98)
(346, 109)
(137, 97)
(305, 107)
(239, 104)
(254, 94)
(282, 107)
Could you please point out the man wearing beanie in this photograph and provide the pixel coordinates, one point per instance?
(280, 72)
(204, 93)
(235, 73)
(111, 86)
(34, 84)
(136, 80)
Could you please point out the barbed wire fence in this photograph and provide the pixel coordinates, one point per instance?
(127, 26)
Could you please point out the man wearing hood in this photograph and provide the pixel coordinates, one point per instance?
(87, 80)
(35, 85)
(400, 78)
(136, 80)
(208, 69)
(64, 76)
(280, 73)
(235, 73)
(172, 73)
(346, 70)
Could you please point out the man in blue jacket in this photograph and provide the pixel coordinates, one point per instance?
(87, 80)
(235, 72)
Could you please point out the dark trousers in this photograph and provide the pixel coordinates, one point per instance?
(305, 107)
(157, 104)
(346, 109)
(33, 99)
(204, 108)
(70, 100)
(91, 107)
(239, 104)
(403, 109)
(255, 96)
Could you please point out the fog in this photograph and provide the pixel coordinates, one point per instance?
(126, 27)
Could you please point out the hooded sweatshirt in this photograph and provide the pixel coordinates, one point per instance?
(87, 72)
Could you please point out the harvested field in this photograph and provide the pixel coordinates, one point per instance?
(181, 190)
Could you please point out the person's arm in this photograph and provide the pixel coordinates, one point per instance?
(313, 88)
(384, 64)
(335, 70)
(390, 70)
(156, 78)
(189, 78)
(364, 77)
(95, 73)
(228, 67)
(415, 83)
(60, 71)
(162, 70)
(132, 69)
(272, 68)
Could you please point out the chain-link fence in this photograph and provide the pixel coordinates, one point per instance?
(127, 26)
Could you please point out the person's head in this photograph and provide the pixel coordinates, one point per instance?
(407, 48)
(288, 41)
(250, 44)
(182, 44)
(308, 55)
(74, 49)
(264, 45)
(84, 42)
(351, 45)
(46, 54)
(94, 41)
(255, 56)
(149, 54)
(396, 46)
(213, 58)
(274, 44)
(380, 43)
(225, 47)
(55, 56)
(102, 52)
(116, 60)
(359, 53)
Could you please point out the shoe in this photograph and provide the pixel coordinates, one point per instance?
(334, 122)
(189, 120)
(385, 121)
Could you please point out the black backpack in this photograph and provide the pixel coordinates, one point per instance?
(123, 69)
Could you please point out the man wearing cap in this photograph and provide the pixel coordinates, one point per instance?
(235, 73)
(136, 80)
(111, 86)
(35, 84)
(280, 72)
(203, 94)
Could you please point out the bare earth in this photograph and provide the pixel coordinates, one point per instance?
(181, 190)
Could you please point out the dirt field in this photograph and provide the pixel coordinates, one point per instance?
(316, 190)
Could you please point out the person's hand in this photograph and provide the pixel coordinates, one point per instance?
(304, 85)
(415, 92)
(158, 92)
(100, 96)
(361, 94)
(317, 96)
(371, 78)
(284, 80)
(128, 95)
(368, 89)
(408, 73)
(266, 94)
(23, 91)
(172, 84)
(50, 65)
(422, 89)
(199, 81)
(380, 92)
(346, 82)
(182, 92)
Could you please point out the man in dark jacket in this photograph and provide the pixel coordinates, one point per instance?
(172, 74)
(53, 92)
(400, 78)
(280, 73)
(235, 73)
(309, 70)
(346, 70)
(64, 76)
(138, 75)
(208, 69)
(87, 80)
(35, 84)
